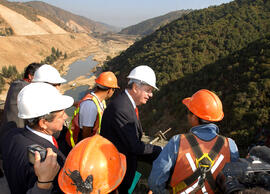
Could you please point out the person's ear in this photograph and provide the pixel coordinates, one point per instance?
(135, 87)
(30, 77)
(42, 123)
(195, 119)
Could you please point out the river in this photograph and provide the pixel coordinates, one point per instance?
(77, 69)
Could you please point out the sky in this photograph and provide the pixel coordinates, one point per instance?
(123, 13)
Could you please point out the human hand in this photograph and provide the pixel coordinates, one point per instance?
(46, 170)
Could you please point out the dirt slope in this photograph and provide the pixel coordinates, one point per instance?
(49, 26)
(19, 24)
(22, 50)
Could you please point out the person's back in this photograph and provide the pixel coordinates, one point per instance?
(190, 162)
(10, 109)
(10, 115)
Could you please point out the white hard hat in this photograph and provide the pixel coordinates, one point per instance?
(47, 73)
(38, 99)
(144, 74)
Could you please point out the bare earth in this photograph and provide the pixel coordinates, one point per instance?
(19, 24)
(33, 41)
(22, 50)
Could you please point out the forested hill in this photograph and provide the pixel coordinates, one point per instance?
(149, 26)
(224, 49)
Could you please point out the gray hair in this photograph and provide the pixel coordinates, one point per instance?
(34, 121)
(137, 82)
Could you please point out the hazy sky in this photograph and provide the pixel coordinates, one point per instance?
(123, 13)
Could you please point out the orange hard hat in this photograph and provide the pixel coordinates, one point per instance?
(107, 79)
(94, 165)
(205, 105)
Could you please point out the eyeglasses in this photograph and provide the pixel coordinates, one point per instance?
(55, 85)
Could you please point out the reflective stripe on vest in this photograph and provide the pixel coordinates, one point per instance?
(100, 112)
(71, 138)
(185, 167)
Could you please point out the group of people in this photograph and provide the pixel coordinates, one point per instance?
(98, 152)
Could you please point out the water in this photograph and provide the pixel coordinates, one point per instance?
(79, 68)
(77, 93)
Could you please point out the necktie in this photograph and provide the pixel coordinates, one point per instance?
(137, 113)
(55, 142)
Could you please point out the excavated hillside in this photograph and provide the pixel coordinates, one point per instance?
(24, 40)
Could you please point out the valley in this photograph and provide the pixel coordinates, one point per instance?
(22, 50)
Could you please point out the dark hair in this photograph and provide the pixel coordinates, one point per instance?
(201, 121)
(102, 88)
(31, 69)
(32, 123)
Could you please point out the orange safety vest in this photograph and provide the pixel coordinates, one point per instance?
(187, 164)
(74, 127)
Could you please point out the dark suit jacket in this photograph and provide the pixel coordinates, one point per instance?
(121, 126)
(19, 172)
(11, 109)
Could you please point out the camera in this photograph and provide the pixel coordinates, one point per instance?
(246, 173)
(31, 152)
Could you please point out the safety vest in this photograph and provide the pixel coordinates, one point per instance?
(74, 127)
(198, 163)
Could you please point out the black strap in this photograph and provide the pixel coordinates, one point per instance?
(198, 153)
(194, 145)
(197, 150)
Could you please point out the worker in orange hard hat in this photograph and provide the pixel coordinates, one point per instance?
(192, 161)
(94, 165)
(87, 116)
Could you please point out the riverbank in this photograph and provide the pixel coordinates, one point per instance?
(99, 47)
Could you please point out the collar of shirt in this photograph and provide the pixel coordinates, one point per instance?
(205, 131)
(100, 103)
(43, 135)
(131, 99)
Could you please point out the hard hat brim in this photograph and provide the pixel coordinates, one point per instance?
(60, 103)
(153, 86)
(59, 80)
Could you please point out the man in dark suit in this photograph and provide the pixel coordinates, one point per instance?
(121, 124)
(10, 115)
(42, 107)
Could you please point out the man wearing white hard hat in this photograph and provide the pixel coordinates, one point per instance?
(121, 124)
(48, 74)
(43, 109)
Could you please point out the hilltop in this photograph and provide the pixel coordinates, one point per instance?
(193, 52)
(75, 22)
(149, 26)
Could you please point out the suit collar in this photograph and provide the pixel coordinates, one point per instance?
(44, 143)
(130, 98)
(132, 111)
(40, 134)
(34, 137)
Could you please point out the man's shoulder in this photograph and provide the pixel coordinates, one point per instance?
(88, 102)
(121, 99)
(13, 136)
(18, 84)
